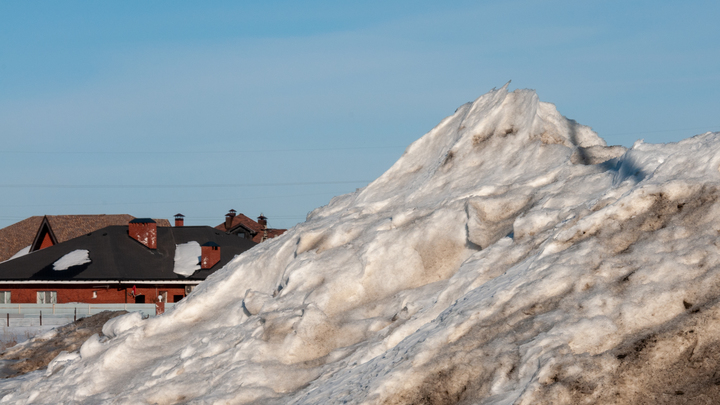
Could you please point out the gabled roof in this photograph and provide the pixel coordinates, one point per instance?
(45, 230)
(65, 227)
(115, 256)
(241, 220)
(255, 229)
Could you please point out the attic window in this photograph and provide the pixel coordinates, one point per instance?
(241, 234)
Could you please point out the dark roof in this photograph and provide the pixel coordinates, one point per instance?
(65, 227)
(142, 221)
(116, 256)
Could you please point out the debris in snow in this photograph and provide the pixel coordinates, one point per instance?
(74, 258)
(40, 351)
(509, 256)
(187, 258)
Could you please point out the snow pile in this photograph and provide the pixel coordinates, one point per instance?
(187, 258)
(54, 347)
(74, 258)
(508, 257)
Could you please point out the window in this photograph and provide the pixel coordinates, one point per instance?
(140, 299)
(4, 297)
(47, 297)
(177, 298)
(241, 234)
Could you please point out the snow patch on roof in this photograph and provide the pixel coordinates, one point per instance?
(74, 258)
(22, 252)
(187, 258)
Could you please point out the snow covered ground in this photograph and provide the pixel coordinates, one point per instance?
(19, 334)
(508, 257)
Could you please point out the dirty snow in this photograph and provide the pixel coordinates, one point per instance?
(55, 346)
(74, 258)
(187, 258)
(508, 257)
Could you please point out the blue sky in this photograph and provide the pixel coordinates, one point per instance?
(136, 107)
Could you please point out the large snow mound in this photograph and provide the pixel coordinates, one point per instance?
(508, 257)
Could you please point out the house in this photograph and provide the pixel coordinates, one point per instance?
(244, 227)
(38, 232)
(139, 262)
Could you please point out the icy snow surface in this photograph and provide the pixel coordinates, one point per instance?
(187, 258)
(74, 258)
(508, 257)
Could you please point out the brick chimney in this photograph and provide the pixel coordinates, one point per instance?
(144, 230)
(262, 221)
(210, 255)
(179, 220)
(229, 219)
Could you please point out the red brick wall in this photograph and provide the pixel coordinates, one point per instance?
(210, 256)
(47, 242)
(144, 233)
(106, 294)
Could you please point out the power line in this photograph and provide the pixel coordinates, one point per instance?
(168, 202)
(232, 152)
(167, 186)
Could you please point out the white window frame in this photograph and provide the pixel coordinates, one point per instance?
(5, 297)
(44, 296)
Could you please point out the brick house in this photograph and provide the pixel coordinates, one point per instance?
(131, 263)
(244, 227)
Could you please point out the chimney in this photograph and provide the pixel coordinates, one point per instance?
(262, 221)
(179, 220)
(229, 219)
(144, 230)
(210, 255)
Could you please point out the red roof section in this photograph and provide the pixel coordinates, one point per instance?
(255, 228)
(243, 220)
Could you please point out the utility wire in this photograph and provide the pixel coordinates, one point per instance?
(166, 186)
(172, 202)
(232, 152)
